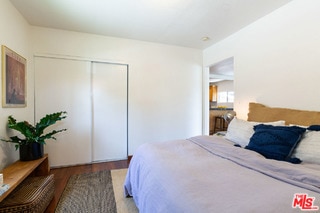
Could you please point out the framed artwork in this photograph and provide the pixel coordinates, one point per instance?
(13, 79)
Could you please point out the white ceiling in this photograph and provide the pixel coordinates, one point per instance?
(174, 22)
(221, 71)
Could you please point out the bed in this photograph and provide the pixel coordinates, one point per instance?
(232, 173)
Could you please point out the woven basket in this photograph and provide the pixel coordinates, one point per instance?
(33, 195)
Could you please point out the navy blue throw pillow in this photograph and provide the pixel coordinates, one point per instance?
(276, 142)
(314, 128)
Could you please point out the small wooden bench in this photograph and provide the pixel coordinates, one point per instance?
(29, 179)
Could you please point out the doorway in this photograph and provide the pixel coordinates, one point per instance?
(221, 90)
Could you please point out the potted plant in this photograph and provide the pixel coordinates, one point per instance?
(31, 145)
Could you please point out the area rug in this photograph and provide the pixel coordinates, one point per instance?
(96, 192)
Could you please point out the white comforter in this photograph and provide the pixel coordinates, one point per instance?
(209, 174)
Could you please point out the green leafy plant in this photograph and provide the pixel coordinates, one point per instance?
(34, 133)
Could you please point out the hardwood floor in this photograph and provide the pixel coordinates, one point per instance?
(61, 176)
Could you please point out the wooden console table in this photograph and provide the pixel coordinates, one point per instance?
(15, 173)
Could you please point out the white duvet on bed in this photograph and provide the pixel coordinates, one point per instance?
(210, 174)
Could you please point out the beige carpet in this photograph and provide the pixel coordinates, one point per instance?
(124, 205)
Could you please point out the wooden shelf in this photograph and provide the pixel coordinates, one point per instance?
(20, 170)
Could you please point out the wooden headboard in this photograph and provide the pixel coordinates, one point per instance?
(261, 113)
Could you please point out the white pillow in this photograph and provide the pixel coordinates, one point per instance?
(308, 149)
(240, 131)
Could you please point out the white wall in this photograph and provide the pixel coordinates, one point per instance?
(276, 63)
(276, 58)
(165, 82)
(15, 35)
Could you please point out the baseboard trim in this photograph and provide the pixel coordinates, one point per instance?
(129, 159)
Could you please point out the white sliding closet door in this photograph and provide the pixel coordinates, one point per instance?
(109, 101)
(64, 85)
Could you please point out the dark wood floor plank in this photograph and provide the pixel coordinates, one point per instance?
(62, 175)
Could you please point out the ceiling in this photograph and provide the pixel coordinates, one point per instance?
(224, 67)
(175, 22)
(221, 71)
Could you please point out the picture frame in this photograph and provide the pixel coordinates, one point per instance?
(13, 79)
